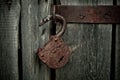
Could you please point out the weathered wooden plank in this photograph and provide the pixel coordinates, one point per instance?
(117, 50)
(9, 22)
(117, 56)
(34, 37)
(91, 48)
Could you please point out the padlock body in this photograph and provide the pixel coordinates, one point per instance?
(55, 53)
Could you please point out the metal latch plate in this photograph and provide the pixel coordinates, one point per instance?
(89, 14)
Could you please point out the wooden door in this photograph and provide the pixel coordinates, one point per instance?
(95, 47)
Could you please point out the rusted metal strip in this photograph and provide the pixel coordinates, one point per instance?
(89, 14)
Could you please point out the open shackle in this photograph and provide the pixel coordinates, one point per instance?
(56, 18)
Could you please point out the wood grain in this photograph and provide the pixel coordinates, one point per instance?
(117, 50)
(34, 37)
(90, 45)
(9, 22)
(117, 56)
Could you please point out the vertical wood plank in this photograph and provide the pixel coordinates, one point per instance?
(9, 22)
(90, 45)
(34, 37)
(117, 56)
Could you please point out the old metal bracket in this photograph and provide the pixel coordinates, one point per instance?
(88, 14)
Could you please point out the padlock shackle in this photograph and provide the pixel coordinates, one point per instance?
(56, 18)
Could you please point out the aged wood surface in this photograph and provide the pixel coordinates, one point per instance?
(9, 22)
(34, 37)
(117, 50)
(90, 45)
(117, 56)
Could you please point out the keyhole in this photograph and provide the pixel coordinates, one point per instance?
(61, 59)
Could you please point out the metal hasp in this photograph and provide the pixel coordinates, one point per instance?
(89, 14)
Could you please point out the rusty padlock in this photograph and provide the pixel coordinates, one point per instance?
(55, 52)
